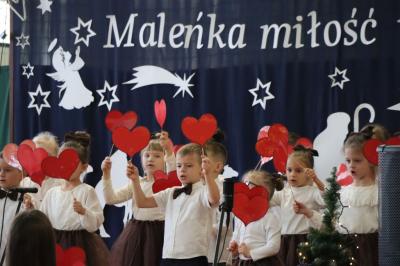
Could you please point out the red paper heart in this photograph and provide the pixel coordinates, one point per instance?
(73, 256)
(265, 147)
(131, 142)
(278, 133)
(369, 150)
(63, 166)
(249, 205)
(280, 158)
(115, 119)
(199, 131)
(160, 110)
(164, 181)
(393, 141)
(10, 152)
(31, 161)
(263, 133)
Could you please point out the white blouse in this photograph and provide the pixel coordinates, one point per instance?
(58, 206)
(262, 237)
(126, 193)
(361, 216)
(293, 223)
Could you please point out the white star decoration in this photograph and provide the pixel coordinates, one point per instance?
(395, 107)
(22, 40)
(25, 68)
(261, 101)
(34, 95)
(89, 34)
(113, 97)
(45, 6)
(343, 78)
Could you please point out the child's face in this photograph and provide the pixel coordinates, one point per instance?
(357, 164)
(295, 172)
(188, 168)
(152, 161)
(9, 176)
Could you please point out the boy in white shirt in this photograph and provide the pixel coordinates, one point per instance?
(188, 209)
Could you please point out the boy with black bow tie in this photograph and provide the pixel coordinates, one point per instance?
(188, 210)
(10, 177)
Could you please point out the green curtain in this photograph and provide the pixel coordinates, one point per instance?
(4, 105)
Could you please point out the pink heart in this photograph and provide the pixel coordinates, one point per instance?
(160, 110)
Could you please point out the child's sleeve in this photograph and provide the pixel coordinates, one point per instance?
(170, 162)
(162, 198)
(93, 217)
(272, 229)
(44, 206)
(235, 234)
(121, 195)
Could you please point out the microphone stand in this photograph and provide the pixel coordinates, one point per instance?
(225, 207)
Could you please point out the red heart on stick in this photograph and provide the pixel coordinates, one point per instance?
(115, 119)
(280, 159)
(131, 142)
(249, 205)
(160, 110)
(73, 256)
(278, 133)
(199, 131)
(63, 166)
(31, 161)
(265, 147)
(164, 181)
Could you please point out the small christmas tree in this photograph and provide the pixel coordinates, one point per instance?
(326, 246)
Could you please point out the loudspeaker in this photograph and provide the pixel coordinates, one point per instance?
(389, 208)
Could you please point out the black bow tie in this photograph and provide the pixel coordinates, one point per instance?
(186, 189)
(11, 195)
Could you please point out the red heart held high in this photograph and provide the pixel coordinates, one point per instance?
(164, 181)
(31, 160)
(201, 130)
(160, 111)
(249, 205)
(63, 166)
(115, 119)
(131, 142)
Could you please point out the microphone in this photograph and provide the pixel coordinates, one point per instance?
(24, 190)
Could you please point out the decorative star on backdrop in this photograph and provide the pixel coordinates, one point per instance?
(45, 6)
(35, 97)
(25, 72)
(89, 32)
(18, 7)
(111, 96)
(22, 40)
(338, 81)
(263, 99)
(395, 107)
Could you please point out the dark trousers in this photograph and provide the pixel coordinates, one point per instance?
(197, 261)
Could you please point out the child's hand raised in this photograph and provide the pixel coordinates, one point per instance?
(28, 202)
(311, 174)
(106, 167)
(233, 247)
(132, 172)
(78, 208)
(300, 208)
(165, 142)
(244, 250)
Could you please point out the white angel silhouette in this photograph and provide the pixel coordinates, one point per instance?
(76, 95)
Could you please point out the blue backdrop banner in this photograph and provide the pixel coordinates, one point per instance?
(250, 63)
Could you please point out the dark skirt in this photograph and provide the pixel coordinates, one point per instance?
(288, 250)
(270, 261)
(140, 244)
(365, 249)
(97, 253)
(197, 261)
